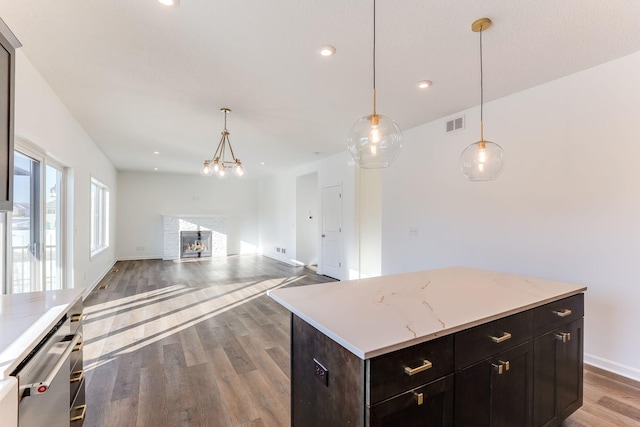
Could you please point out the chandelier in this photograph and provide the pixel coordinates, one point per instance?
(219, 164)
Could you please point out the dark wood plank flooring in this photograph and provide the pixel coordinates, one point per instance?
(198, 343)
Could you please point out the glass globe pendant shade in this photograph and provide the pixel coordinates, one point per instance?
(221, 173)
(374, 141)
(482, 161)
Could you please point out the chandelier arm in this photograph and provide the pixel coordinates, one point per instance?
(220, 149)
(233, 156)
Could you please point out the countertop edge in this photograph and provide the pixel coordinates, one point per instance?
(368, 354)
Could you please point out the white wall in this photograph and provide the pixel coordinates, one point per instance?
(43, 120)
(278, 210)
(144, 197)
(567, 206)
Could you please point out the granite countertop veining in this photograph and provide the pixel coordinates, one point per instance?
(26, 318)
(375, 316)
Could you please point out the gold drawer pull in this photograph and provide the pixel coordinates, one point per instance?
(501, 366)
(505, 336)
(420, 397)
(412, 371)
(82, 409)
(564, 313)
(78, 346)
(563, 336)
(77, 317)
(76, 376)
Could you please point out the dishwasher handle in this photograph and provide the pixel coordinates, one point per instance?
(40, 387)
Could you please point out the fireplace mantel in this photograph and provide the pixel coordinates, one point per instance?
(173, 224)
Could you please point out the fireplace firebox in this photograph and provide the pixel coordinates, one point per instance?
(195, 244)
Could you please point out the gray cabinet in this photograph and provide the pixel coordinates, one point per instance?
(8, 45)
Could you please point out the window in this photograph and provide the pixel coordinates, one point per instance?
(99, 216)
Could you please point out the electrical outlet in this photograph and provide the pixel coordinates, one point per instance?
(139, 248)
(321, 372)
(413, 231)
(284, 251)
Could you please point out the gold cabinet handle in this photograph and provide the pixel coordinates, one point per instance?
(564, 313)
(76, 376)
(412, 371)
(505, 336)
(420, 398)
(563, 336)
(502, 366)
(82, 409)
(77, 317)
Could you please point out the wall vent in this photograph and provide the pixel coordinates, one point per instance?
(455, 124)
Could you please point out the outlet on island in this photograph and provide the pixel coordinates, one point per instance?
(321, 372)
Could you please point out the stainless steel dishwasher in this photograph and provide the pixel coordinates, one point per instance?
(44, 381)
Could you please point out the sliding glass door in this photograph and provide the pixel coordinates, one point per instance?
(25, 225)
(54, 249)
(36, 226)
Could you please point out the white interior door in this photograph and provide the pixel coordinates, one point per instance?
(332, 231)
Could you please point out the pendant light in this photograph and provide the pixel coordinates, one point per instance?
(374, 140)
(218, 164)
(482, 160)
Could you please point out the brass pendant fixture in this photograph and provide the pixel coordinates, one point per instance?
(218, 164)
(374, 140)
(483, 160)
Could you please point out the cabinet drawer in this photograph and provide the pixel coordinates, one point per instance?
(481, 342)
(428, 405)
(402, 370)
(557, 313)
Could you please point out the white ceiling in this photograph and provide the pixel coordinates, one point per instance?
(142, 77)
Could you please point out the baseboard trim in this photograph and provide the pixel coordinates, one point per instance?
(612, 367)
(288, 262)
(102, 276)
(137, 258)
(611, 375)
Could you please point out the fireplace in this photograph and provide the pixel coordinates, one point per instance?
(195, 244)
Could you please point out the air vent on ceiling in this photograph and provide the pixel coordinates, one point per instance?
(455, 124)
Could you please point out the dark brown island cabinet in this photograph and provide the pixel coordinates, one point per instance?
(524, 369)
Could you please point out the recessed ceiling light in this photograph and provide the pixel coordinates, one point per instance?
(155, 169)
(327, 50)
(170, 3)
(423, 84)
(262, 163)
(156, 152)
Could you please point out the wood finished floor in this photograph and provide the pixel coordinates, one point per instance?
(200, 344)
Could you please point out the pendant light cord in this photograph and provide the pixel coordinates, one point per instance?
(481, 91)
(374, 57)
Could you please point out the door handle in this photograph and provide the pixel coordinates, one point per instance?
(40, 387)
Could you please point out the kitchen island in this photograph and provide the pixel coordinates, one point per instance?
(454, 346)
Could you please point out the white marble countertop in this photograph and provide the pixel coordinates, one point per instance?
(26, 318)
(374, 316)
